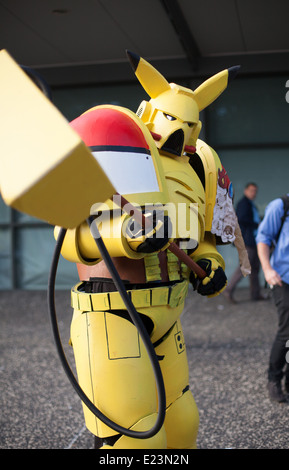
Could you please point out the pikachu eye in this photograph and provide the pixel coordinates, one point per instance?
(190, 124)
(169, 117)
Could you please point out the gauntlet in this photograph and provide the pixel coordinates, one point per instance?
(155, 236)
(215, 281)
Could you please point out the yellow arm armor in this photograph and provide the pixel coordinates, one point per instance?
(207, 249)
(79, 245)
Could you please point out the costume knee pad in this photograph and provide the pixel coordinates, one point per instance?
(158, 441)
(182, 423)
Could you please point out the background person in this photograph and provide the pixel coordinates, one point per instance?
(248, 218)
(276, 272)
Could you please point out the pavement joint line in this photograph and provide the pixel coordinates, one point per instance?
(75, 437)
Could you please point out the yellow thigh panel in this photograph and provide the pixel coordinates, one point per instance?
(173, 361)
(113, 369)
(182, 418)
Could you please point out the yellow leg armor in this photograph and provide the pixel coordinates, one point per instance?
(116, 374)
(182, 417)
(182, 422)
(158, 441)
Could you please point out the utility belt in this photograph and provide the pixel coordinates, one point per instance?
(172, 295)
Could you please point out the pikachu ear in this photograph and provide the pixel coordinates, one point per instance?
(208, 91)
(150, 79)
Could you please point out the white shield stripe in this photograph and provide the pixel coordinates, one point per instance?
(129, 172)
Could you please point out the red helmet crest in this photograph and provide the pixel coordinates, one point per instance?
(108, 127)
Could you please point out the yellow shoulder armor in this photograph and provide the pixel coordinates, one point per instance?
(220, 217)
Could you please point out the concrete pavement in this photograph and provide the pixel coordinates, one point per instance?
(227, 346)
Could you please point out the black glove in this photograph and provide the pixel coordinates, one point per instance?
(145, 240)
(215, 281)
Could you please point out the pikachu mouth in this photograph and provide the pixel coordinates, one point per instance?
(175, 143)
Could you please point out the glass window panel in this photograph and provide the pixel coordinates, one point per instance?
(4, 212)
(5, 260)
(22, 218)
(34, 251)
(74, 101)
(251, 110)
(67, 275)
(230, 255)
(268, 168)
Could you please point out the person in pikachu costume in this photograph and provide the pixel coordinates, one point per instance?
(112, 365)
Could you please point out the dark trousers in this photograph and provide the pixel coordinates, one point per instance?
(279, 350)
(254, 278)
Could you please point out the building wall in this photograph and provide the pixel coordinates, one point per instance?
(249, 128)
(247, 125)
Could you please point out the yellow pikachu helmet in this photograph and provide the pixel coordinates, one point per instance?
(172, 114)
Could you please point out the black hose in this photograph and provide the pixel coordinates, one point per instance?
(137, 322)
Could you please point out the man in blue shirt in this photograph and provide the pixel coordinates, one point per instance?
(276, 271)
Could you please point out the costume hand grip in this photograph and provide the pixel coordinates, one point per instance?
(129, 208)
(155, 238)
(214, 281)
